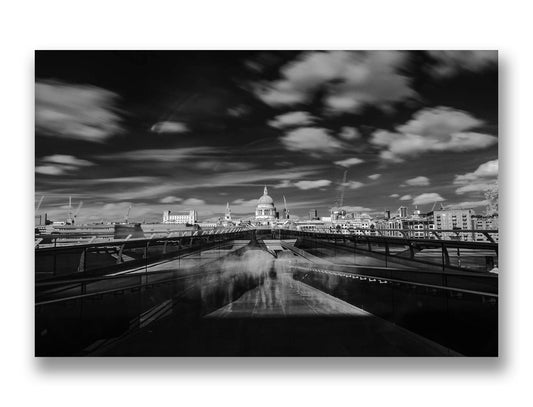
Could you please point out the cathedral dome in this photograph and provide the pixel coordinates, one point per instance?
(265, 212)
(265, 199)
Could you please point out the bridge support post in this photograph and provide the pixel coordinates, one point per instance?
(83, 261)
(119, 257)
(354, 247)
(411, 251)
(387, 253)
(445, 257)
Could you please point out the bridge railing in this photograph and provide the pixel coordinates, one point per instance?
(116, 255)
(434, 254)
(77, 316)
(464, 320)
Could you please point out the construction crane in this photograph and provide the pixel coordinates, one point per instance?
(286, 210)
(127, 214)
(77, 212)
(343, 188)
(435, 204)
(39, 204)
(70, 220)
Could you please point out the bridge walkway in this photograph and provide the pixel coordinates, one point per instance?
(281, 316)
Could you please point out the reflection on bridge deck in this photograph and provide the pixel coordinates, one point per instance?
(282, 316)
(282, 296)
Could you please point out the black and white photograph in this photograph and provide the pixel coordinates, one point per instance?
(266, 203)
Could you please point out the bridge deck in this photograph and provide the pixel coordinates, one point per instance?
(281, 317)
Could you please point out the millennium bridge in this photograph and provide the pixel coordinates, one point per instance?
(266, 292)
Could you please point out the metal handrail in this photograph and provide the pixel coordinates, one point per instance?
(119, 242)
(439, 287)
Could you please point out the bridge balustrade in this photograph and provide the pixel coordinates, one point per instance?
(462, 320)
(77, 316)
(113, 256)
(433, 253)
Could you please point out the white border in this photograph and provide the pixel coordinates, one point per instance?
(274, 24)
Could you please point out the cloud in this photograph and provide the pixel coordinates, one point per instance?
(354, 184)
(163, 154)
(349, 80)
(50, 170)
(122, 180)
(292, 119)
(427, 198)
(170, 199)
(238, 111)
(311, 139)
(356, 209)
(81, 112)
(406, 198)
(66, 160)
(250, 203)
(484, 178)
(450, 63)
(394, 195)
(485, 170)
(312, 184)
(214, 165)
(432, 130)
(283, 184)
(349, 133)
(468, 204)
(476, 187)
(169, 127)
(193, 202)
(349, 162)
(374, 177)
(417, 181)
(59, 164)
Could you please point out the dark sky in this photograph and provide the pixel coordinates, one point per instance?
(178, 130)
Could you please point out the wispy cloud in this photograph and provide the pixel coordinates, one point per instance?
(349, 162)
(82, 112)
(349, 80)
(349, 133)
(432, 130)
(59, 164)
(417, 181)
(311, 139)
(427, 198)
(484, 178)
(292, 119)
(449, 63)
(354, 184)
(468, 204)
(162, 154)
(170, 199)
(321, 183)
(169, 127)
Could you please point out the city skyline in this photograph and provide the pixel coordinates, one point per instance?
(179, 130)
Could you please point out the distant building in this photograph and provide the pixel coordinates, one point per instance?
(180, 217)
(453, 219)
(313, 214)
(310, 225)
(402, 212)
(485, 222)
(387, 214)
(265, 212)
(227, 215)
